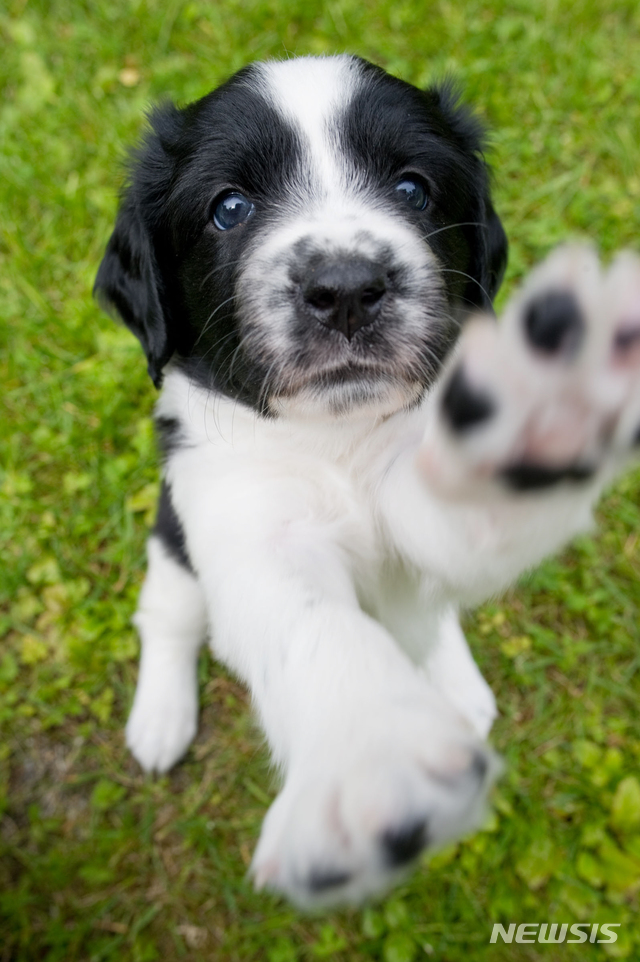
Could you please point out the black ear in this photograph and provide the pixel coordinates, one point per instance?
(485, 234)
(130, 280)
(488, 243)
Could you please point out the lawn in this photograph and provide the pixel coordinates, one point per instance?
(97, 861)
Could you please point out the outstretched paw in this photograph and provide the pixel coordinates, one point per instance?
(549, 395)
(348, 830)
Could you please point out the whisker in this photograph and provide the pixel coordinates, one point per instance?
(262, 393)
(450, 270)
(234, 356)
(218, 344)
(211, 317)
(219, 267)
(231, 354)
(463, 223)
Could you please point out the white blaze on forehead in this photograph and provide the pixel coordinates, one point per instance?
(311, 93)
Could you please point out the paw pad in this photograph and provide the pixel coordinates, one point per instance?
(322, 881)
(553, 323)
(626, 339)
(403, 845)
(532, 477)
(464, 406)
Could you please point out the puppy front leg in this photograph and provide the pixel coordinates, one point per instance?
(377, 764)
(171, 622)
(531, 419)
(431, 635)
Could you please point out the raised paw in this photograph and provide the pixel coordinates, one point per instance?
(346, 832)
(549, 395)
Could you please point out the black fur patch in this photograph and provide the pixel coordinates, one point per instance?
(167, 271)
(169, 435)
(392, 128)
(168, 528)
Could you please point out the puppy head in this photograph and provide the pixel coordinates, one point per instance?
(307, 237)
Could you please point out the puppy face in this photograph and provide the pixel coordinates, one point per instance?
(306, 238)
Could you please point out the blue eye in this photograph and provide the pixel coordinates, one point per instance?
(413, 192)
(232, 209)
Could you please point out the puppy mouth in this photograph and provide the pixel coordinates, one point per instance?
(331, 376)
(391, 358)
(344, 389)
(382, 354)
(354, 379)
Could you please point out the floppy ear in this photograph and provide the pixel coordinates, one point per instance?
(485, 236)
(129, 282)
(488, 243)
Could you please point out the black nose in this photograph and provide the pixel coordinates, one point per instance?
(345, 295)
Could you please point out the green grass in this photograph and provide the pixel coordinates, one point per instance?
(98, 862)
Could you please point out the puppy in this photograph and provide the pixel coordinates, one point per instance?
(298, 253)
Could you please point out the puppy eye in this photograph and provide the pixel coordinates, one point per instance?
(414, 192)
(231, 209)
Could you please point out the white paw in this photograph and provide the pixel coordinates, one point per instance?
(348, 829)
(550, 394)
(163, 720)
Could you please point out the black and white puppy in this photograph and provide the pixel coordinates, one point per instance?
(297, 252)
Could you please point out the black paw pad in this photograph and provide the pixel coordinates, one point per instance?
(404, 844)
(532, 477)
(626, 339)
(322, 879)
(464, 406)
(480, 765)
(554, 323)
